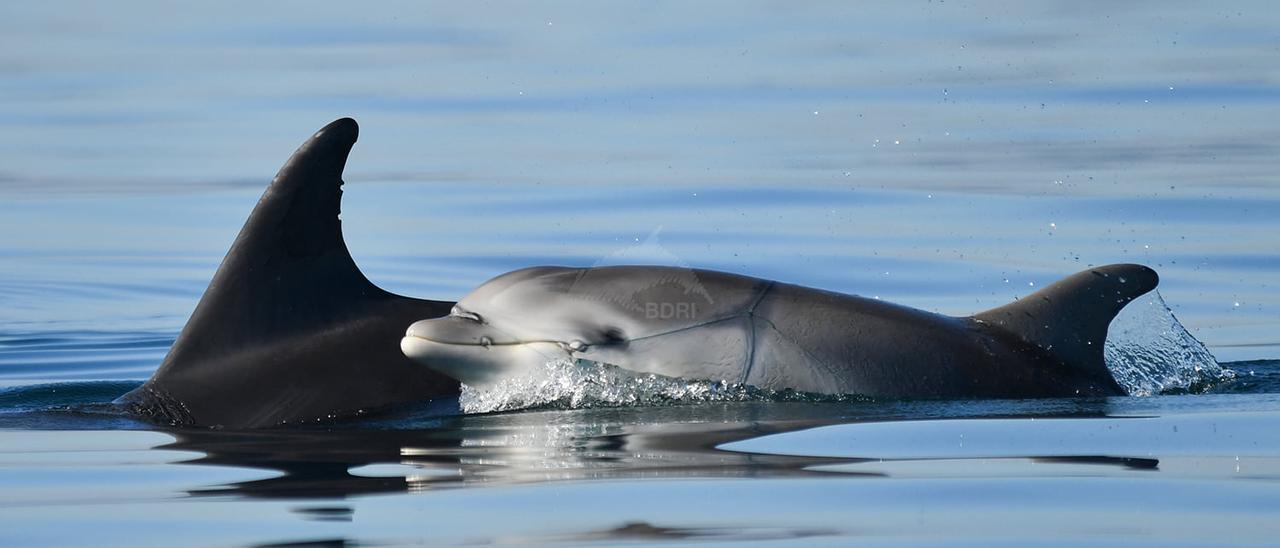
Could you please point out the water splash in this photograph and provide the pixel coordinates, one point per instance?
(1149, 352)
(577, 384)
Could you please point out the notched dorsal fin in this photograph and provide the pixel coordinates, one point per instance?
(1069, 318)
(297, 216)
(289, 329)
(289, 269)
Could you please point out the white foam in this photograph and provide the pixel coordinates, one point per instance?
(575, 384)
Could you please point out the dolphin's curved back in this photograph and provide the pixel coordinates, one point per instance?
(289, 329)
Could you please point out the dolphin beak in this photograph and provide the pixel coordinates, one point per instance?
(458, 330)
(469, 351)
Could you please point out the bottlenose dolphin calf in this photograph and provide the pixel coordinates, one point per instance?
(700, 324)
(289, 329)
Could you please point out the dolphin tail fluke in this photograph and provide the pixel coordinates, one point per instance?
(1069, 319)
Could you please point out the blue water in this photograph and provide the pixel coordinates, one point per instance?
(950, 156)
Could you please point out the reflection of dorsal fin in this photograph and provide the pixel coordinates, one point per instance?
(1069, 319)
(290, 329)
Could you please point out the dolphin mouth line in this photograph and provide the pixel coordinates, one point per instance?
(482, 344)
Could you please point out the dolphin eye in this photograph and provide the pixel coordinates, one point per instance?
(460, 313)
(613, 335)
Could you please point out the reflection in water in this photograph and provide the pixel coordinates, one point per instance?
(589, 444)
(500, 449)
(326, 513)
(640, 531)
(1131, 463)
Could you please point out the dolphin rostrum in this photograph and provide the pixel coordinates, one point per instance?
(707, 325)
(289, 329)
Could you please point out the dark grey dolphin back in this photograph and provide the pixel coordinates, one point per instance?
(1069, 318)
(290, 329)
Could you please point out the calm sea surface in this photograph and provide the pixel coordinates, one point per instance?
(951, 156)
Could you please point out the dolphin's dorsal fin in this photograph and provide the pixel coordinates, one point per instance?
(296, 226)
(289, 267)
(289, 328)
(1069, 318)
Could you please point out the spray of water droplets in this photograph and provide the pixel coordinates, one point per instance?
(1149, 352)
(577, 384)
